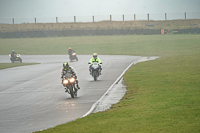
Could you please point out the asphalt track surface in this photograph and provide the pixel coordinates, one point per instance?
(32, 97)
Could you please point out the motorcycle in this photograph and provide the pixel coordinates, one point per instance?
(73, 57)
(68, 82)
(95, 70)
(16, 57)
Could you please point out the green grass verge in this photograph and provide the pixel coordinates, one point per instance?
(10, 65)
(149, 45)
(162, 95)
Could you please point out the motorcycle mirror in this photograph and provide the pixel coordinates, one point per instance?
(101, 63)
(89, 63)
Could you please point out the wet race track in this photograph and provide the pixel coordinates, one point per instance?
(32, 97)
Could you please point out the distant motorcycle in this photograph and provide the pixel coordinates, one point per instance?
(16, 57)
(95, 67)
(68, 82)
(73, 57)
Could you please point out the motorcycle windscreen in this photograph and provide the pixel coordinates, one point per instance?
(95, 65)
(68, 75)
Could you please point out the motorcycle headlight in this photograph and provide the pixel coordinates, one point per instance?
(72, 80)
(65, 81)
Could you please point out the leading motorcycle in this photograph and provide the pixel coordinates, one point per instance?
(16, 57)
(95, 69)
(68, 82)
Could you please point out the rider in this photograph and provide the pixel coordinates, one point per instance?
(12, 54)
(95, 58)
(66, 67)
(70, 52)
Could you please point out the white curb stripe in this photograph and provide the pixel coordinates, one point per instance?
(116, 81)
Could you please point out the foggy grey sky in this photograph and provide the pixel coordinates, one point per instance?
(63, 8)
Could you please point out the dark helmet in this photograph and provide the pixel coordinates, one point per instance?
(66, 65)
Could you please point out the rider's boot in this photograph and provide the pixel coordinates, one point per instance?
(77, 86)
(100, 70)
(90, 71)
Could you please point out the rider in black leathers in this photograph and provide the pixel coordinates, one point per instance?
(66, 67)
(12, 54)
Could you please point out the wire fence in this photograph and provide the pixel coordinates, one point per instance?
(98, 18)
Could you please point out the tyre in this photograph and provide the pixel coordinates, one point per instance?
(95, 75)
(70, 58)
(76, 59)
(71, 91)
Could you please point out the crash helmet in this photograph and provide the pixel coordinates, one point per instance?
(95, 55)
(69, 47)
(66, 65)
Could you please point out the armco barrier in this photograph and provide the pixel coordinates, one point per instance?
(52, 33)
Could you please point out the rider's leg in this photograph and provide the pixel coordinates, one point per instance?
(90, 69)
(61, 79)
(100, 70)
(77, 84)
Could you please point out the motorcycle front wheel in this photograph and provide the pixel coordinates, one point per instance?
(95, 75)
(71, 91)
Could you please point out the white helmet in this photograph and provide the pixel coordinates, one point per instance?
(95, 55)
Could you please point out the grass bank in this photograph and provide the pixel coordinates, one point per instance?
(162, 95)
(106, 25)
(10, 65)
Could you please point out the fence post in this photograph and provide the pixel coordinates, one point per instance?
(134, 17)
(123, 17)
(35, 20)
(74, 19)
(56, 19)
(148, 17)
(165, 16)
(110, 17)
(93, 18)
(185, 15)
(13, 21)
